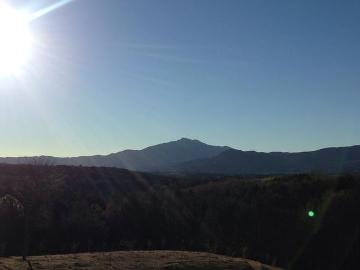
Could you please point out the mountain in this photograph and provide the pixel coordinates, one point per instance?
(327, 160)
(192, 156)
(154, 158)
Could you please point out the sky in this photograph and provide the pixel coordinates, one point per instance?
(257, 75)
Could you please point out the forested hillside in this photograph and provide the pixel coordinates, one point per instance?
(77, 209)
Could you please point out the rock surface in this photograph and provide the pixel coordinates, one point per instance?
(131, 260)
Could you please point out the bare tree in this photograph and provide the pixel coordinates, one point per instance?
(19, 206)
(27, 197)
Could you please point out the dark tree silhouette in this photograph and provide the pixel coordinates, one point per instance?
(79, 209)
(15, 203)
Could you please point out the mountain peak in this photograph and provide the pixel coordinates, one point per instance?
(188, 140)
(157, 157)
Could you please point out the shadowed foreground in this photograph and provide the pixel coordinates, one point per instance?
(142, 260)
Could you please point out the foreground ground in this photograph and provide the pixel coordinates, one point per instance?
(128, 260)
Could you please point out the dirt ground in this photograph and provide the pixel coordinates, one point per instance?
(131, 260)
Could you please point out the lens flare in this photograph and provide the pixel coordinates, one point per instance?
(49, 9)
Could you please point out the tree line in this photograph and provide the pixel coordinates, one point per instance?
(60, 209)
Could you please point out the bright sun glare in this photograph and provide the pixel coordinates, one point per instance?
(15, 40)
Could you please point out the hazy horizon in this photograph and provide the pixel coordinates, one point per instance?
(143, 147)
(254, 75)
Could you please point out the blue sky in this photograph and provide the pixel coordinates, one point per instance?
(256, 75)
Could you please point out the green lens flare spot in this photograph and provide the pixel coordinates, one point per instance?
(311, 213)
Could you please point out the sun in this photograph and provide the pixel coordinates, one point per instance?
(15, 40)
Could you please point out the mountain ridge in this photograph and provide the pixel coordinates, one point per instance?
(232, 161)
(193, 156)
(151, 158)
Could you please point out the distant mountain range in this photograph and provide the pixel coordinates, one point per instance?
(154, 158)
(327, 160)
(192, 156)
